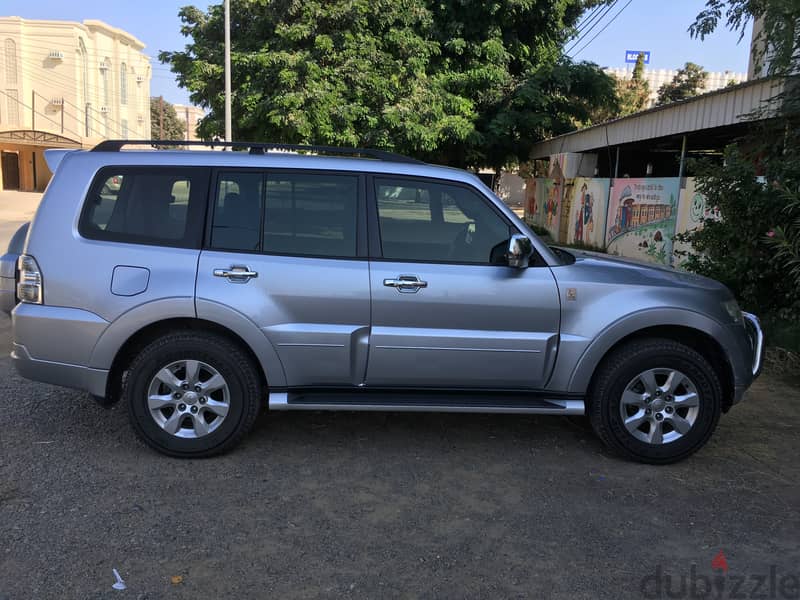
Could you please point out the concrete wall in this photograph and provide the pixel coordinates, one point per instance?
(632, 217)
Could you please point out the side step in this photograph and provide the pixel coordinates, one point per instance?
(427, 401)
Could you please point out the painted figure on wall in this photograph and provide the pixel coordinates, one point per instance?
(553, 200)
(579, 220)
(584, 224)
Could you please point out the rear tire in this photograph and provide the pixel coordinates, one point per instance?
(192, 394)
(655, 401)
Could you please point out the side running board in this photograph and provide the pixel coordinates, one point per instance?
(431, 401)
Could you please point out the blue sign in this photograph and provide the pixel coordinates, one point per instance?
(632, 55)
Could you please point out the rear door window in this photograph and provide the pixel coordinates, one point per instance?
(311, 214)
(238, 211)
(147, 205)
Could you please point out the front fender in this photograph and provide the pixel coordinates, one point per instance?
(586, 357)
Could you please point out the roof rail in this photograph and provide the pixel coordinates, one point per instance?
(259, 148)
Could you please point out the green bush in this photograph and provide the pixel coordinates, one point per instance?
(739, 250)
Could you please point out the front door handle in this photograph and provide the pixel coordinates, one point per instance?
(236, 274)
(409, 284)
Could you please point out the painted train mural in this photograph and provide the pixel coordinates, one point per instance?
(631, 214)
(637, 217)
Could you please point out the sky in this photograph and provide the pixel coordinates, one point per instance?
(654, 25)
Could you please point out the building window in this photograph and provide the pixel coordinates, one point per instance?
(11, 62)
(13, 107)
(124, 126)
(84, 72)
(105, 69)
(123, 84)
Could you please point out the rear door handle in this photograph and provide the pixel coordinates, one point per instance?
(409, 284)
(236, 274)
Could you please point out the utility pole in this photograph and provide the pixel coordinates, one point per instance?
(187, 123)
(33, 110)
(161, 117)
(228, 135)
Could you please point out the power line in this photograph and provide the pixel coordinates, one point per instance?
(587, 21)
(165, 70)
(95, 90)
(70, 83)
(21, 103)
(614, 18)
(80, 115)
(586, 32)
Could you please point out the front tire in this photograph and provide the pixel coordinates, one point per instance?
(192, 394)
(655, 401)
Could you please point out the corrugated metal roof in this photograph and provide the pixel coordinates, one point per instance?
(727, 106)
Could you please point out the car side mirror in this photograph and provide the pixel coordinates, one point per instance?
(520, 250)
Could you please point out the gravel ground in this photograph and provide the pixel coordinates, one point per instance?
(370, 506)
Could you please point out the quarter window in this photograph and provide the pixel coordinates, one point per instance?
(159, 206)
(438, 223)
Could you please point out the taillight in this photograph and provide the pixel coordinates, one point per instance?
(29, 284)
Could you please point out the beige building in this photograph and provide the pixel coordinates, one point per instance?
(190, 115)
(66, 84)
(658, 77)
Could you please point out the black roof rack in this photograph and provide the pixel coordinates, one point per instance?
(259, 148)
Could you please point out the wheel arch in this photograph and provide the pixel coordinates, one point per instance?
(139, 339)
(695, 331)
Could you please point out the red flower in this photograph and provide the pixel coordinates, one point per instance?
(771, 233)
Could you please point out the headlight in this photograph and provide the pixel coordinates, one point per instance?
(732, 308)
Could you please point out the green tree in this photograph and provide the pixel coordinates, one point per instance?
(164, 121)
(755, 248)
(688, 82)
(734, 250)
(634, 93)
(780, 28)
(460, 82)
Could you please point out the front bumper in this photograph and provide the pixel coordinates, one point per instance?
(754, 356)
(756, 336)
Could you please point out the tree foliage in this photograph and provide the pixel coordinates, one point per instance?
(634, 93)
(163, 115)
(687, 83)
(755, 247)
(736, 249)
(466, 83)
(780, 32)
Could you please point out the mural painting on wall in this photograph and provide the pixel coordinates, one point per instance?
(552, 195)
(552, 205)
(693, 212)
(588, 212)
(641, 218)
(543, 199)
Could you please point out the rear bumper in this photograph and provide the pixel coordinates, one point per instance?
(8, 282)
(57, 373)
(53, 344)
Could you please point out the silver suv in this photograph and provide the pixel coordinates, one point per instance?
(200, 287)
